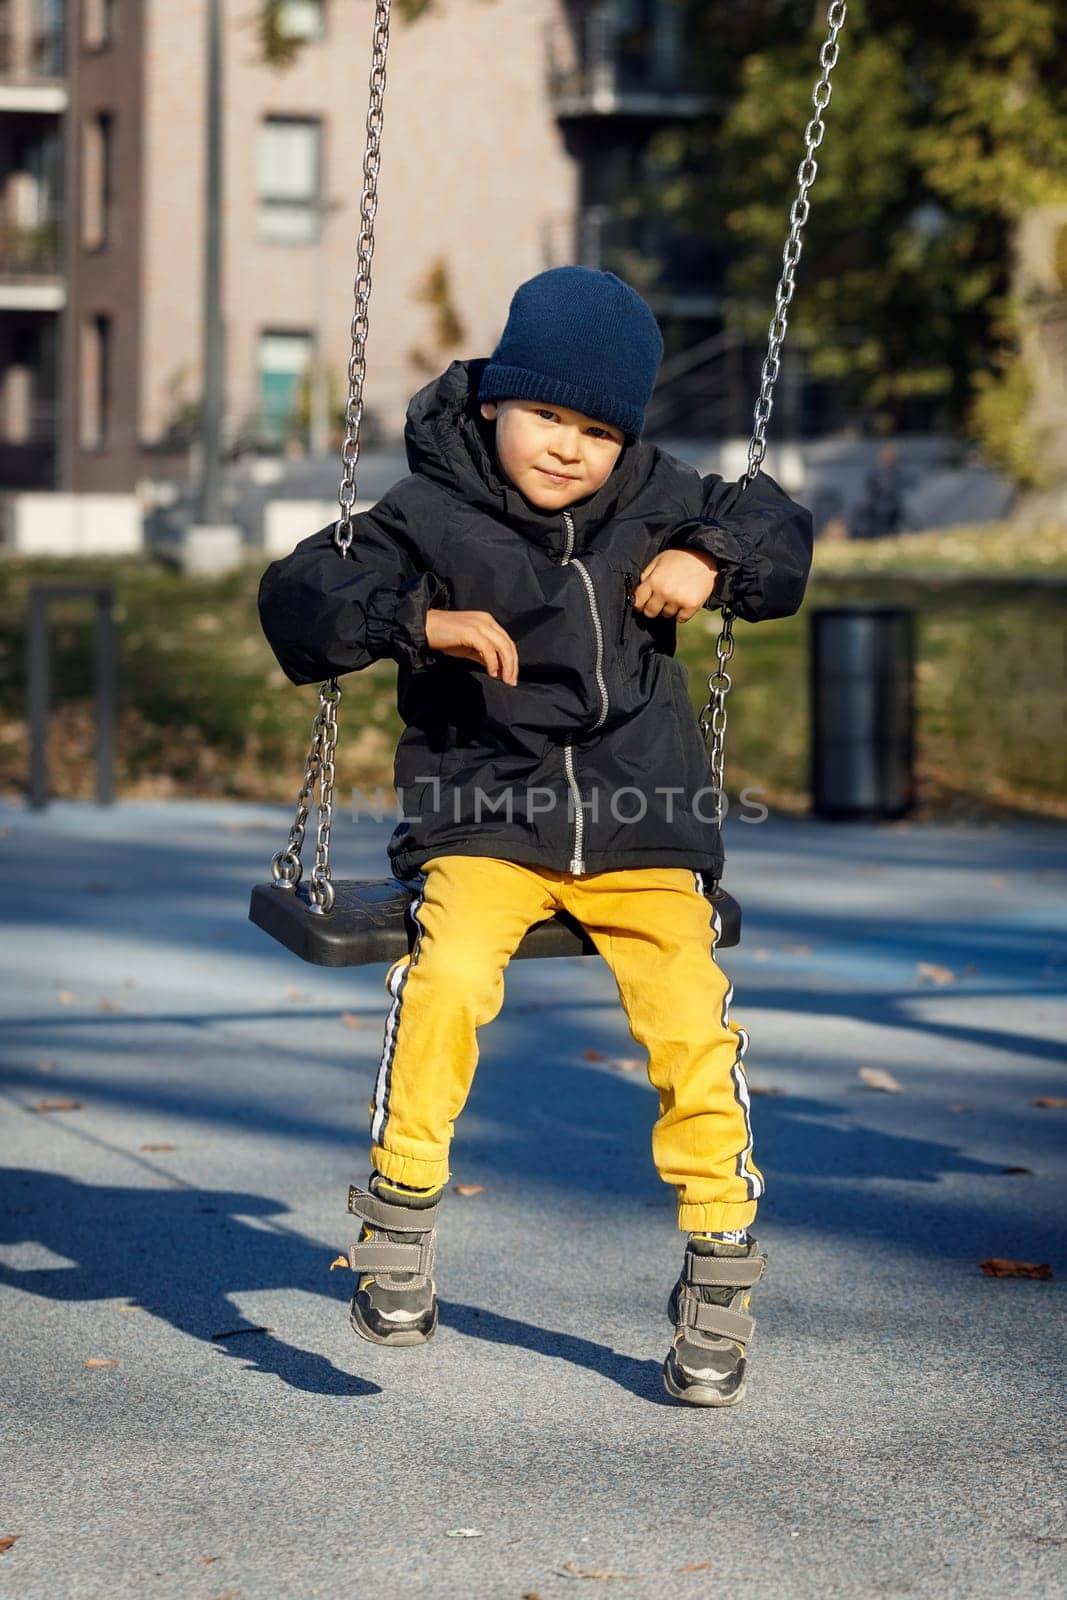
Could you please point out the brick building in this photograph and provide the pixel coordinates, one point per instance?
(512, 127)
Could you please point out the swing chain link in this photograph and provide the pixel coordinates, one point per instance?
(286, 868)
(713, 716)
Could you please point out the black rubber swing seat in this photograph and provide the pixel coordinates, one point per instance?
(369, 923)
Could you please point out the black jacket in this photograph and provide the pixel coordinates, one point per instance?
(594, 760)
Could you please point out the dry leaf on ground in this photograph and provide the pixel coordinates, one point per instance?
(593, 1055)
(570, 1570)
(1002, 1267)
(930, 972)
(878, 1078)
(1051, 1102)
(464, 1533)
(205, 1561)
(338, 1261)
(7, 1541)
(158, 1147)
(101, 1361)
(695, 1566)
(468, 1188)
(57, 1105)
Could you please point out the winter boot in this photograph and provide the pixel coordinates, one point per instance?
(705, 1365)
(395, 1301)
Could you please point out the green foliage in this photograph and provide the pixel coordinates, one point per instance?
(449, 330)
(946, 123)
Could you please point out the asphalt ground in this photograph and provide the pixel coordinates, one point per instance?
(903, 1432)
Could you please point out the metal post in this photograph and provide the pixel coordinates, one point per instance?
(37, 690)
(211, 405)
(105, 697)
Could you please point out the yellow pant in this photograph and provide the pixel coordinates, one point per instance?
(656, 932)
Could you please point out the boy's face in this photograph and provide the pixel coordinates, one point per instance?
(554, 455)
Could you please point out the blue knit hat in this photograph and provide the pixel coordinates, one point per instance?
(578, 337)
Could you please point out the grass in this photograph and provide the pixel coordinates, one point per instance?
(205, 710)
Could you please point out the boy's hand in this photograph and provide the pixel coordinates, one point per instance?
(476, 636)
(676, 583)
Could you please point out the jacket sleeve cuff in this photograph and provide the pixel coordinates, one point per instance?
(396, 619)
(722, 544)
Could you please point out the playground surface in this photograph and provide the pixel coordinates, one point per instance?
(188, 1415)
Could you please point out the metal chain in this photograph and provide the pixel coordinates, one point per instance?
(713, 716)
(286, 868)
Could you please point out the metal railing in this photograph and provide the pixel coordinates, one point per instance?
(598, 63)
(31, 252)
(38, 675)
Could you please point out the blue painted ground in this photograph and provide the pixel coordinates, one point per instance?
(903, 1432)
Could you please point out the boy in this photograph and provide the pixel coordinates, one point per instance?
(528, 578)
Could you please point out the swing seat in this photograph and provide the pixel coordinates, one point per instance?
(370, 923)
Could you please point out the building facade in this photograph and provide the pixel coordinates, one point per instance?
(516, 132)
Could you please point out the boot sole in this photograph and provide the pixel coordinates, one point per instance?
(401, 1340)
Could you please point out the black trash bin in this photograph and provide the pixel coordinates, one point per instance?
(862, 710)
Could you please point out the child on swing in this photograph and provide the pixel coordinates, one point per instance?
(528, 577)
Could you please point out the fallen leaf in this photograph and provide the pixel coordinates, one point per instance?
(593, 1055)
(205, 1561)
(877, 1078)
(764, 1088)
(101, 1361)
(1001, 1267)
(350, 1020)
(65, 998)
(108, 1005)
(7, 1541)
(338, 1261)
(158, 1147)
(57, 1105)
(468, 1188)
(695, 1566)
(464, 1533)
(572, 1571)
(1022, 1172)
(237, 1333)
(227, 1594)
(959, 1108)
(930, 972)
(1051, 1102)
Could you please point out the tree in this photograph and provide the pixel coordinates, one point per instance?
(947, 122)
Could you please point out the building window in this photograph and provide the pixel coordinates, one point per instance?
(98, 165)
(289, 170)
(96, 390)
(98, 23)
(283, 359)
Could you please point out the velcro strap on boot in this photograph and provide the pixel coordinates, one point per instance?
(723, 1272)
(383, 1256)
(391, 1218)
(717, 1322)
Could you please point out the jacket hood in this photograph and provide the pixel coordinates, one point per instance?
(448, 441)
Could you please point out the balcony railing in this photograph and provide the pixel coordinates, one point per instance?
(596, 66)
(31, 252)
(25, 58)
(657, 254)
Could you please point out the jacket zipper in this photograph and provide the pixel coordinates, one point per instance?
(577, 859)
